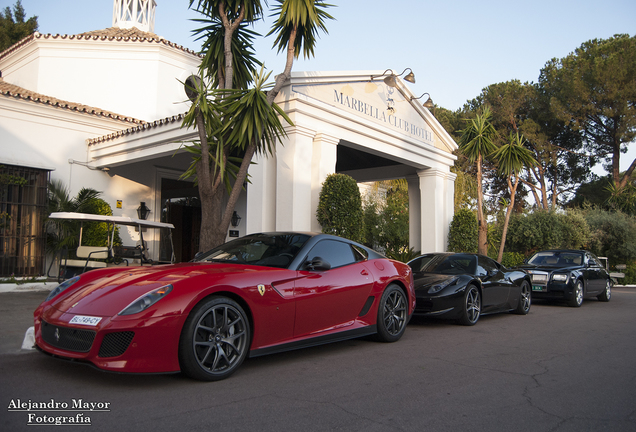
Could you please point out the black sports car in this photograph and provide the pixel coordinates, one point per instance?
(464, 286)
(569, 275)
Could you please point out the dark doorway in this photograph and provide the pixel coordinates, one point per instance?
(180, 206)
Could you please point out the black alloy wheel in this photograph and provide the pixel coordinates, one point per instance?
(392, 314)
(215, 339)
(525, 299)
(471, 307)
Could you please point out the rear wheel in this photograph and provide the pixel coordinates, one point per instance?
(392, 314)
(577, 295)
(471, 308)
(215, 339)
(525, 299)
(607, 294)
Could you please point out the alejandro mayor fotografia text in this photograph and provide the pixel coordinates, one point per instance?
(57, 413)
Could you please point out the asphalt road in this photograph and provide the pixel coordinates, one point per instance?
(557, 369)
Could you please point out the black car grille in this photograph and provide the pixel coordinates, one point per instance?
(115, 344)
(67, 338)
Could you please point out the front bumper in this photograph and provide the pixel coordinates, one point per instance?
(135, 346)
(446, 305)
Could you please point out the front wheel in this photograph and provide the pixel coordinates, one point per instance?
(525, 299)
(215, 340)
(471, 308)
(392, 314)
(607, 294)
(577, 295)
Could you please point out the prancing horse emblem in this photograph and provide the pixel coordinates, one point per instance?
(261, 289)
(57, 334)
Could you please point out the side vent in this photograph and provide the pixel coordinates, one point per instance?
(367, 306)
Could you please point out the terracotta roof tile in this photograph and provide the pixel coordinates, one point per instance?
(109, 34)
(10, 90)
(135, 129)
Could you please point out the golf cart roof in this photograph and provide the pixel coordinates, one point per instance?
(118, 220)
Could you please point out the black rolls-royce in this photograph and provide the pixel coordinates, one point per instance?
(570, 275)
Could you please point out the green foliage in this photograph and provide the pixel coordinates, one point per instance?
(612, 234)
(386, 218)
(512, 259)
(302, 18)
(462, 235)
(13, 26)
(96, 233)
(64, 234)
(212, 32)
(234, 119)
(630, 274)
(478, 137)
(340, 207)
(594, 89)
(528, 233)
(404, 255)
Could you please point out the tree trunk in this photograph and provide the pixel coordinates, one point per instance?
(504, 233)
(482, 229)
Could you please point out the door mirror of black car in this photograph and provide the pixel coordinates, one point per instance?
(317, 264)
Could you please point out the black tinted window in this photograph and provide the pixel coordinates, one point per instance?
(337, 253)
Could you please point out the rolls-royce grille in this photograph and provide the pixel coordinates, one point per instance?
(115, 344)
(68, 338)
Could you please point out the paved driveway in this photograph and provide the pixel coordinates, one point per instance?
(558, 369)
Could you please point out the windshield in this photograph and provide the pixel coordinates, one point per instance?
(271, 250)
(557, 259)
(445, 264)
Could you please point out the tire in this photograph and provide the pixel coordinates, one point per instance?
(577, 295)
(525, 299)
(471, 306)
(392, 314)
(607, 294)
(215, 339)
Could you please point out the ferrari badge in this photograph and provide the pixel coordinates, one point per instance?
(261, 289)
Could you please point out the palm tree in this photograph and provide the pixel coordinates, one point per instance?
(511, 159)
(476, 143)
(63, 234)
(234, 122)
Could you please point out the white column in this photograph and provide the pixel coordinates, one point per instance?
(435, 209)
(415, 213)
(261, 195)
(293, 180)
(323, 164)
(450, 203)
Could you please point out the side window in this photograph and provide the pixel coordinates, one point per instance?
(337, 253)
(485, 266)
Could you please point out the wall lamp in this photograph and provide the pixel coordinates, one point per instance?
(429, 102)
(391, 79)
(143, 211)
(236, 219)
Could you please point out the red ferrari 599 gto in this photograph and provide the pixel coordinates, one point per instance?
(256, 295)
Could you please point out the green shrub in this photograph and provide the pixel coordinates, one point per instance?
(512, 259)
(340, 207)
(539, 230)
(462, 235)
(612, 234)
(96, 233)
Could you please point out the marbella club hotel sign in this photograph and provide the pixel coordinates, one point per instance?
(378, 102)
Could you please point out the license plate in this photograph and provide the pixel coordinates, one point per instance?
(85, 320)
(537, 288)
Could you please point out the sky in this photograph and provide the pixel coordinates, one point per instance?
(455, 48)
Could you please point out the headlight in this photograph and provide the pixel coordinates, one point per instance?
(560, 277)
(61, 287)
(440, 286)
(146, 300)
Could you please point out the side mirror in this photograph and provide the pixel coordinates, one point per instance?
(317, 264)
